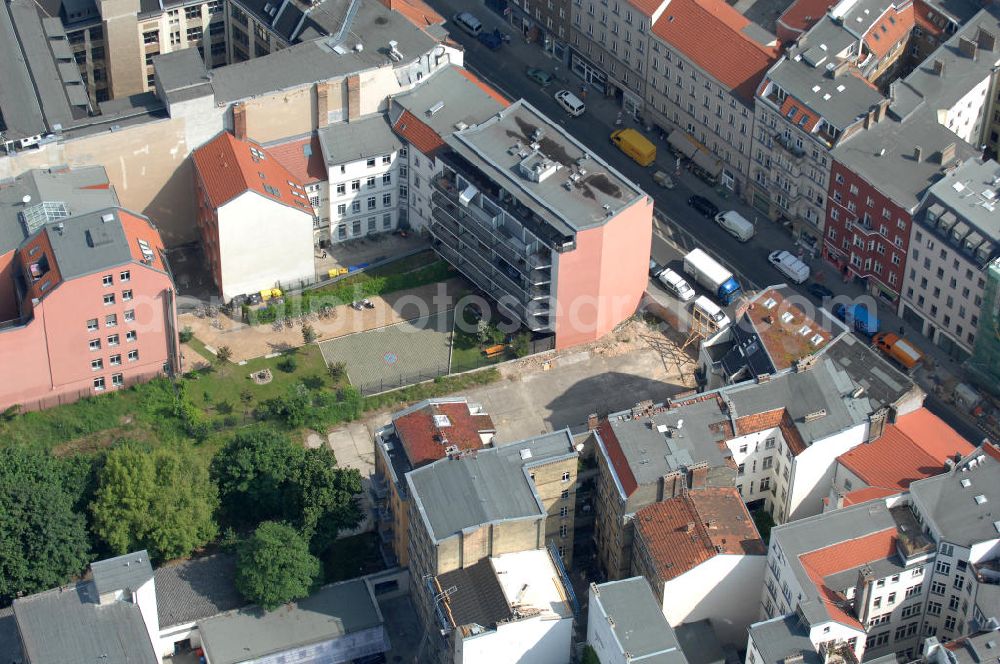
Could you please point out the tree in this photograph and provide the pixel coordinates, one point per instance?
(326, 493)
(254, 473)
(224, 354)
(309, 333)
(274, 566)
(161, 500)
(43, 541)
(246, 398)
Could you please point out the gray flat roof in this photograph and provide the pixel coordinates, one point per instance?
(335, 611)
(861, 15)
(349, 141)
(639, 623)
(783, 637)
(463, 101)
(955, 510)
(20, 110)
(500, 144)
(896, 173)
(373, 26)
(87, 244)
(651, 454)
(700, 643)
(126, 572)
(970, 191)
(74, 187)
(486, 486)
(10, 640)
(66, 625)
(180, 71)
(884, 384)
(194, 589)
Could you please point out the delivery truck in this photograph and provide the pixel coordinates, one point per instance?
(898, 349)
(858, 317)
(635, 145)
(711, 275)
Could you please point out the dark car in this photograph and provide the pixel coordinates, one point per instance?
(819, 291)
(654, 268)
(703, 206)
(491, 40)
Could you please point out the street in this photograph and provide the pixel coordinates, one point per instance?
(677, 227)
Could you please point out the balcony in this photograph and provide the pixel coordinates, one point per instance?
(470, 252)
(789, 146)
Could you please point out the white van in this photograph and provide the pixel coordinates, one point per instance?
(789, 265)
(675, 284)
(570, 102)
(736, 225)
(468, 22)
(709, 314)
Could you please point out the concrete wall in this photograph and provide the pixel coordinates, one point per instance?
(601, 282)
(467, 548)
(967, 118)
(600, 635)
(813, 471)
(263, 243)
(724, 589)
(532, 641)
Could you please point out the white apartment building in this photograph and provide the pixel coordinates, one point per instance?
(363, 161)
(953, 239)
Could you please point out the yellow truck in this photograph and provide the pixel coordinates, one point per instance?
(635, 145)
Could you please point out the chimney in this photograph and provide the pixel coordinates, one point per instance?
(967, 47)
(841, 69)
(699, 475)
(674, 484)
(876, 424)
(948, 153)
(863, 594)
(322, 104)
(240, 121)
(689, 528)
(839, 502)
(592, 421)
(869, 119)
(883, 106)
(939, 68)
(986, 40)
(353, 97)
(918, 153)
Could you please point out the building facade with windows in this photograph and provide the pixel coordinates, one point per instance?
(88, 299)
(363, 177)
(952, 243)
(255, 218)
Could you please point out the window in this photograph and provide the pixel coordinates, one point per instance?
(563, 512)
(125, 276)
(386, 179)
(765, 484)
(741, 469)
(938, 588)
(934, 608)
(943, 567)
(891, 599)
(768, 462)
(95, 344)
(743, 449)
(108, 280)
(563, 531)
(918, 571)
(111, 320)
(913, 591)
(371, 162)
(949, 623)
(386, 221)
(109, 299)
(130, 315)
(117, 380)
(769, 444)
(877, 603)
(133, 355)
(953, 603)
(371, 202)
(92, 325)
(99, 384)
(386, 200)
(880, 583)
(355, 207)
(371, 224)
(370, 182)
(565, 477)
(151, 37)
(126, 295)
(96, 365)
(115, 360)
(946, 549)
(341, 188)
(342, 209)
(113, 340)
(356, 185)
(130, 336)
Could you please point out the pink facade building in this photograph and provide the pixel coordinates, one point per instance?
(545, 228)
(87, 302)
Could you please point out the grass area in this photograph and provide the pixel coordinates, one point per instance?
(200, 348)
(224, 383)
(438, 387)
(466, 350)
(351, 557)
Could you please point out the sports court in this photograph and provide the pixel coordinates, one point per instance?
(395, 355)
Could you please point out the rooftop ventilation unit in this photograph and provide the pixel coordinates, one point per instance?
(435, 108)
(107, 217)
(394, 53)
(815, 415)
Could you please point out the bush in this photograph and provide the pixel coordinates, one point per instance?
(337, 371)
(288, 364)
(522, 344)
(186, 334)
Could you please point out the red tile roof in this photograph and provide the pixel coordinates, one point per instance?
(803, 14)
(921, 10)
(425, 441)
(488, 89)
(228, 167)
(884, 34)
(896, 459)
(618, 460)
(933, 435)
(866, 494)
(682, 532)
(772, 419)
(841, 557)
(417, 12)
(710, 33)
(417, 133)
(139, 228)
(303, 158)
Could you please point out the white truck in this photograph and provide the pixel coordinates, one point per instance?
(711, 275)
(736, 225)
(790, 266)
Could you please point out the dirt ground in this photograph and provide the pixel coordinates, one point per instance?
(247, 342)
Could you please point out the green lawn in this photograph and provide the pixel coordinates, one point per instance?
(466, 351)
(351, 557)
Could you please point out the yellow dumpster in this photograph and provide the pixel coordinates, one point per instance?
(265, 294)
(342, 270)
(275, 292)
(332, 272)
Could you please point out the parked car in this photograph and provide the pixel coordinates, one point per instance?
(491, 40)
(570, 103)
(539, 76)
(663, 179)
(468, 22)
(790, 266)
(819, 291)
(859, 317)
(703, 206)
(733, 223)
(676, 284)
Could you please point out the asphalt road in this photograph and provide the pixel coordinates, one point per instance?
(677, 228)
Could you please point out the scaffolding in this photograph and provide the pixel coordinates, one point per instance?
(984, 363)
